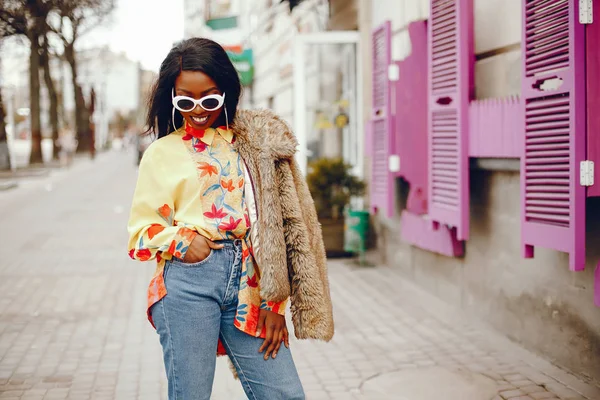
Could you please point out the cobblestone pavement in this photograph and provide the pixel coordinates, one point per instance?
(73, 325)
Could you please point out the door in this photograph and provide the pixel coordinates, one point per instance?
(328, 97)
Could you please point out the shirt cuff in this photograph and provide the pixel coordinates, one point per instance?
(181, 244)
(275, 307)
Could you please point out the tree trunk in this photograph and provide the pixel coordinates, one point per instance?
(45, 61)
(81, 119)
(4, 156)
(34, 96)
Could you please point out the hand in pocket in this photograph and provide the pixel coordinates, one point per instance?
(199, 249)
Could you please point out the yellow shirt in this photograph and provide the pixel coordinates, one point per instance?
(192, 182)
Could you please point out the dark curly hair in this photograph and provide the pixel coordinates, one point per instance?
(195, 54)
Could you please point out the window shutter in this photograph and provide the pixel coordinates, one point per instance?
(382, 181)
(553, 201)
(592, 40)
(410, 120)
(451, 61)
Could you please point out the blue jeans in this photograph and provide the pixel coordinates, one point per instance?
(197, 311)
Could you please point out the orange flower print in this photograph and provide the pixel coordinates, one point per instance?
(187, 234)
(154, 230)
(165, 211)
(207, 169)
(241, 183)
(228, 185)
(143, 254)
(252, 320)
(172, 247)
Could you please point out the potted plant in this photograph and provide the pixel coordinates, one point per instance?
(332, 185)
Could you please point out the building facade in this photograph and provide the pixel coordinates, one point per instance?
(488, 120)
(475, 121)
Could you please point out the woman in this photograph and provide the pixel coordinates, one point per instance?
(221, 205)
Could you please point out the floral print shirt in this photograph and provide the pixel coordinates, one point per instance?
(192, 182)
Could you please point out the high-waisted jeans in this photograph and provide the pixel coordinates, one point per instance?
(197, 311)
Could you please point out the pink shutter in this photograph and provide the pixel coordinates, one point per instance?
(382, 181)
(495, 128)
(553, 202)
(592, 40)
(410, 120)
(451, 61)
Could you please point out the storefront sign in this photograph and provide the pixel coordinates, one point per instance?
(244, 64)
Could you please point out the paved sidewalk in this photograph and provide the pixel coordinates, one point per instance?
(73, 325)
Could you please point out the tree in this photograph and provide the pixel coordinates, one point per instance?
(52, 93)
(4, 156)
(4, 151)
(76, 18)
(28, 18)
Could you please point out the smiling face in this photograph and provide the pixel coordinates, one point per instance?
(196, 84)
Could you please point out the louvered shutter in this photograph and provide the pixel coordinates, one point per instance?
(382, 181)
(410, 119)
(592, 57)
(451, 63)
(553, 202)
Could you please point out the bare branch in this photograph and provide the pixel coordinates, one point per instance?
(13, 19)
(82, 15)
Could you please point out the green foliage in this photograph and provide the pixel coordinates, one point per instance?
(332, 185)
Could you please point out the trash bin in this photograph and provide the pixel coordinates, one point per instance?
(355, 232)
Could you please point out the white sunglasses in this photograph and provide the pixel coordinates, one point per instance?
(211, 102)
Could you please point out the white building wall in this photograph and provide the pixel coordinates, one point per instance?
(273, 53)
(193, 18)
(195, 26)
(497, 39)
(114, 77)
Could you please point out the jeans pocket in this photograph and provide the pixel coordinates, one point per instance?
(180, 262)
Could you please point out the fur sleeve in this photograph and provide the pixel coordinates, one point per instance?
(311, 303)
(274, 279)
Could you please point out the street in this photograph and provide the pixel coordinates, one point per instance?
(73, 322)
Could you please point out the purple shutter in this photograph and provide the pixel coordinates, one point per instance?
(495, 128)
(410, 120)
(592, 40)
(553, 202)
(382, 181)
(451, 61)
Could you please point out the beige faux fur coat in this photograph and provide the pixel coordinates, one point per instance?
(291, 256)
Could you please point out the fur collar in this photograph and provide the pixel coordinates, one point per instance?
(263, 131)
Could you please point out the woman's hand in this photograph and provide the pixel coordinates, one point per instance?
(276, 332)
(200, 249)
